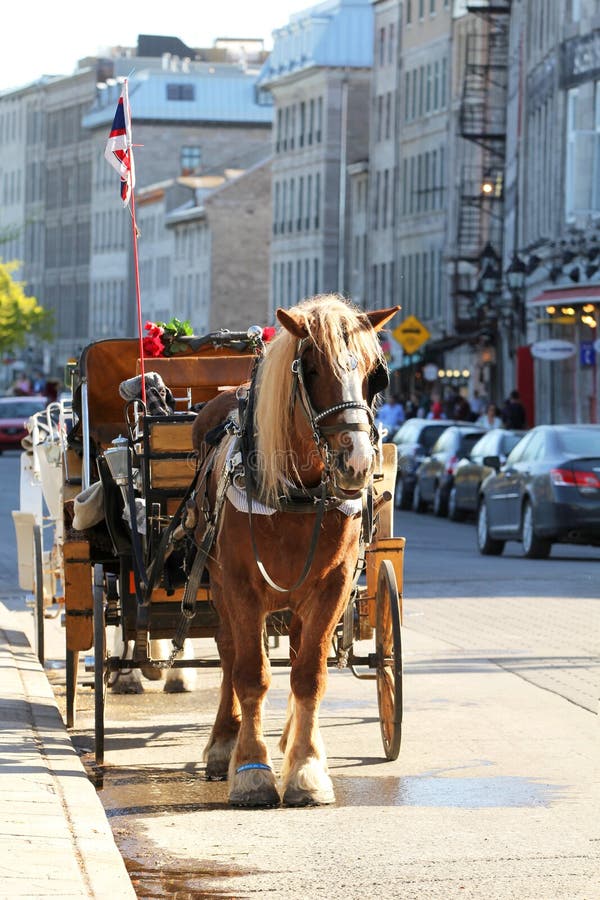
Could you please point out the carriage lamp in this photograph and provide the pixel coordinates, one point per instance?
(117, 458)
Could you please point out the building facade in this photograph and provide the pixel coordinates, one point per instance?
(319, 77)
(61, 213)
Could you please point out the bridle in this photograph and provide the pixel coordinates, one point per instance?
(314, 418)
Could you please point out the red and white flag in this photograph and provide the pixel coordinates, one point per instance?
(119, 152)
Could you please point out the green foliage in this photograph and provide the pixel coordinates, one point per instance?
(172, 330)
(20, 316)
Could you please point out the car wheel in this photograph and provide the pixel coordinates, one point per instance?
(417, 503)
(534, 547)
(402, 497)
(487, 545)
(440, 507)
(454, 513)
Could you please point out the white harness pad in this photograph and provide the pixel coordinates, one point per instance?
(238, 499)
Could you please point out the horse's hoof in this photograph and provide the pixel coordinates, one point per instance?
(253, 787)
(266, 798)
(127, 686)
(297, 797)
(178, 686)
(151, 673)
(215, 772)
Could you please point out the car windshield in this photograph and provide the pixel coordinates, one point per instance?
(430, 434)
(467, 442)
(20, 409)
(579, 443)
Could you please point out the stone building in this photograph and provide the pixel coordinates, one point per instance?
(552, 204)
(204, 249)
(61, 208)
(319, 77)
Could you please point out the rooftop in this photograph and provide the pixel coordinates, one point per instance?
(336, 33)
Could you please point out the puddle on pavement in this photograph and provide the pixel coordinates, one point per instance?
(154, 791)
(180, 881)
(461, 792)
(128, 794)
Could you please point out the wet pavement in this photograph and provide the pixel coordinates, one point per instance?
(495, 793)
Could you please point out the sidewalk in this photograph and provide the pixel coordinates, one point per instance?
(55, 840)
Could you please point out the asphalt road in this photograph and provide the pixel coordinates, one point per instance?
(493, 793)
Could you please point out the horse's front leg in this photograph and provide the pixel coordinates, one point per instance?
(217, 752)
(305, 778)
(251, 777)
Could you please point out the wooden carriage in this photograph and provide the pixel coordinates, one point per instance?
(102, 574)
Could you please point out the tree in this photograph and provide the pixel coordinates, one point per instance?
(21, 316)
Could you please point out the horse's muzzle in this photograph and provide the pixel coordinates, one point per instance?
(353, 461)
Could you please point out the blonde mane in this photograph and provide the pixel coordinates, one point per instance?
(335, 327)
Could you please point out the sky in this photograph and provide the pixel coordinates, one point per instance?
(48, 38)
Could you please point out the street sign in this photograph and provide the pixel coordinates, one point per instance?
(553, 349)
(587, 353)
(411, 334)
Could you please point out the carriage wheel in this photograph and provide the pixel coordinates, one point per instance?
(100, 671)
(38, 606)
(388, 645)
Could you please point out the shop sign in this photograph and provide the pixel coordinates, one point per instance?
(587, 353)
(553, 349)
(411, 334)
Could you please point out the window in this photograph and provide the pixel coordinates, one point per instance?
(302, 124)
(381, 46)
(319, 134)
(408, 12)
(583, 150)
(190, 158)
(317, 200)
(391, 43)
(311, 122)
(180, 92)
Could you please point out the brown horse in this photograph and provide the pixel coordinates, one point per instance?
(309, 425)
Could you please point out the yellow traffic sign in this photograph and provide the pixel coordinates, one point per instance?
(411, 334)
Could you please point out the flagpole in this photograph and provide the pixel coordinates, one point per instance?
(138, 294)
(134, 231)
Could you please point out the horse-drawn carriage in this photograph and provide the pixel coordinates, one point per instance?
(241, 491)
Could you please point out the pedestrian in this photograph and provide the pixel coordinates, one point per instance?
(390, 415)
(513, 412)
(462, 409)
(490, 419)
(436, 411)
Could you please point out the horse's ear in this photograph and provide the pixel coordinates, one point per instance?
(292, 322)
(378, 317)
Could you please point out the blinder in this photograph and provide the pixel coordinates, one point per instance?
(379, 380)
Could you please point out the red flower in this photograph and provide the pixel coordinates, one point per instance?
(153, 346)
(154, 330)
(268, 333)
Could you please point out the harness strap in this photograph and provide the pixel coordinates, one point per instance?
(188, 602)
(320, 504)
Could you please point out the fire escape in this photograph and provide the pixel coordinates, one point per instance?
(482, 122)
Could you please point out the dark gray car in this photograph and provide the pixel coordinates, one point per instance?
(435, 475)
(414, 440)
(547, 491)
(471, 471)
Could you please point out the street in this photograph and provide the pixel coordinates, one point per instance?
(494, 793)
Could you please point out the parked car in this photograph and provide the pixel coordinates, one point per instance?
(547, 491)
(435, 475)
(14, 412)
(414, 440)
(471, 472)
